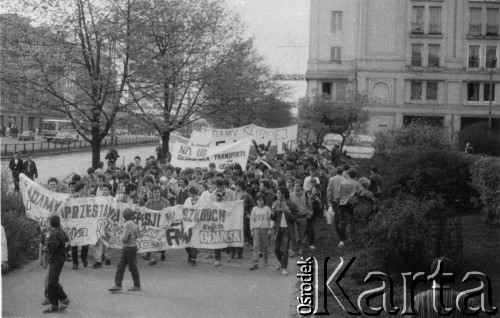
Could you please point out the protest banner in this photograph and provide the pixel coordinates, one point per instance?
(85, 220)
(283, 138)
(178, 139)
(224, 157)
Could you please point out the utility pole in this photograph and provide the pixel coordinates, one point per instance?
(493, 66)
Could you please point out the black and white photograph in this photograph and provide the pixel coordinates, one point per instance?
(250, 158)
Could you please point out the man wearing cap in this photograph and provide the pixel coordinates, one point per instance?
(16, 166)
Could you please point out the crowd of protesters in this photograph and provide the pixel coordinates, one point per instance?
(285, 196)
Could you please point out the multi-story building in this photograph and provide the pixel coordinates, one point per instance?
(12, 111)
(413, 58)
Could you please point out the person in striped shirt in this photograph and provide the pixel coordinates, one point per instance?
(129, 253)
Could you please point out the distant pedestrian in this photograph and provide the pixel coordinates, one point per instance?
(56, 245)
(129, 253)
(2, 131)
(29, 168)
(7, 132)
(468, 148)
(16, 166)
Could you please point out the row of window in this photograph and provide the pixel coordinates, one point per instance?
(428, 91)
(482, 21)
(427, 19)
(480, 24)
(475, 59)
(425, 90)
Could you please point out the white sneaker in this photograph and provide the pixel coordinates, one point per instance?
(284, 272)
(312, 247)
(341, 244)
(217, 264)
(278, 267)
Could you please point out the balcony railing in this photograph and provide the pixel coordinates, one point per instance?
(492, 30)
(475, 29)
(417, 28)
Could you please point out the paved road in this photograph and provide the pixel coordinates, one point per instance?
(170, 289)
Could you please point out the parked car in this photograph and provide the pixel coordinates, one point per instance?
(64, 138)
(27, 136)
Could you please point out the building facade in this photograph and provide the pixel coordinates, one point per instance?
(432, 59)
(12, 111)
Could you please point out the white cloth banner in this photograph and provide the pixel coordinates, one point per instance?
(283, 138)
(85, 220)
(224, 157)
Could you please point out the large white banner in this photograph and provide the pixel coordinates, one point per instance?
(224, 156)
(283, 138)
(85, 220)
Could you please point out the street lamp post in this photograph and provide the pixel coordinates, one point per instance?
(493, 66)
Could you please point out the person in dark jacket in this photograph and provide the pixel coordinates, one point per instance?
(16, 166)
(29, 168)
(283, 207)
(56, 245)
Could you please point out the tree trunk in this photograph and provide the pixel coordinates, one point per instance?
(96, 152)
(165, 138)
(96, 146)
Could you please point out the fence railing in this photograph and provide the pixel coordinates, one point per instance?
(50, 147)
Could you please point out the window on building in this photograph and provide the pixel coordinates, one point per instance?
(473, 92)
(431, 91)
(416, 90)
(326, 88)
(433, 55)
(492, 21)
(416, 55)
(475, 21)
(336, 20)
(474, 56)
(435, 20)
(417, 22)
(335, 54)
(491, 56)
(487, 92)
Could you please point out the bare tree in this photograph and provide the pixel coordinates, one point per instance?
(74, 60)
(181, 48)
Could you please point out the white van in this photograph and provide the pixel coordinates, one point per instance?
(356, 146)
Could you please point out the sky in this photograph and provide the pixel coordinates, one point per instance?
(281, 32)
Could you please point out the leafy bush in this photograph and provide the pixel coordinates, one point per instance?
(430, 172)
(418, 134)
(22, 233)
(486, 181)
(482, 139)
(406, 234)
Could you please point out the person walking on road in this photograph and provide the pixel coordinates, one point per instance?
(56, 245)
(284, 213)
(16, 166)
(30, 169)
(129, 253)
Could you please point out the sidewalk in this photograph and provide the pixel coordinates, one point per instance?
(170, 289)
